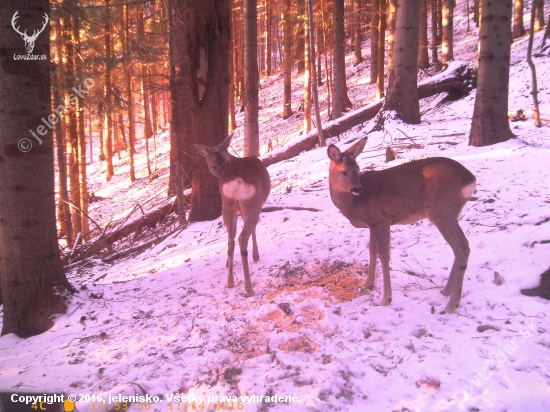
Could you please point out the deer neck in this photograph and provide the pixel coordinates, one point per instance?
(342, 200)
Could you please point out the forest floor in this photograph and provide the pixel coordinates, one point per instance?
(163, 322)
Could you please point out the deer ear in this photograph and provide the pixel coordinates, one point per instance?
(225, 144)
(358, 147)
(334, 153)
(202, 150)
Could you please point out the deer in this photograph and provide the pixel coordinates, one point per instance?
(29, 40)
(435, 188)
(244, 185)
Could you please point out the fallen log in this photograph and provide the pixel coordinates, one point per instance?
(450, 80)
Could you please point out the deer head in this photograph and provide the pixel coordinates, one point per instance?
(29, 40)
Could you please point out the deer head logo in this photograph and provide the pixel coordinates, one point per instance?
(29, 40)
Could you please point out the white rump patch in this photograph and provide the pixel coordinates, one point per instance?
(237, 189)
(468, 191)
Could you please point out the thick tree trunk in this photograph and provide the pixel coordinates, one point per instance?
(391, 8)
(251, 79)
(447, 30)
(338, 59)
(357, 57)
(402, 86)
(423, 56)
(31, 272)
(205, 33)
(287, 60)
(490, 123)
(518, 29)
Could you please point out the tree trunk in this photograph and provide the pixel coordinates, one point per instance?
(61, 146)
(299, 37)
(287, 60)
(32, 280)
(205, 34)
(490, 123)
(357, 57)
(251, 79)
(447, 30)
(108, 142)
(312, 63)
(338, 59)
(307, 78)
(539, 15)
(402, 85)
(130, 97)
(72, 129)
(381, 48)
(534, 93)
(518, 29)
(423, 56)
(84, 201)
(374, 41)
(435, 59)
(391, 8)
(268, 37)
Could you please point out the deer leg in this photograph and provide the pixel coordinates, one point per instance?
(248, 229)
(373, 255)
(230, 220)
(382, 234)
(255, 252)
(453, 235)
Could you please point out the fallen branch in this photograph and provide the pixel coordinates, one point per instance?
(449, 80)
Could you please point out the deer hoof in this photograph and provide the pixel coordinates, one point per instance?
(255, 258)
(250, 292)
(450, 308)
(385, 302)
(230, 285)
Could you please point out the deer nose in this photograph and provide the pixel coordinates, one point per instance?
(356, 190)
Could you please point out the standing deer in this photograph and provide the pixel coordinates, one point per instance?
(435, 188)
(244, 186)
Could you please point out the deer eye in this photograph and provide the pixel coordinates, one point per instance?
(345, 173)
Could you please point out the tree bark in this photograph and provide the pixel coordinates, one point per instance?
(518, 29)
(299, 37)
(287, 60)
(536, 111)
(435, 59)
(490, 123)
(402, 85)
(447, 12)
(423, 56)
(205, 32)
(32, 280)
(251, 79)
(338, 60)
(381, 48)
(129, 96)
(312, 63)
(307, 77)
(539, 15)
(108, 137)
(374, 41)
(357, 57)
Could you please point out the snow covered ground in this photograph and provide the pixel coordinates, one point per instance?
(163, 323)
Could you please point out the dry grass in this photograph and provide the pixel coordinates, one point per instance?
(298, 344)
(340, 280)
